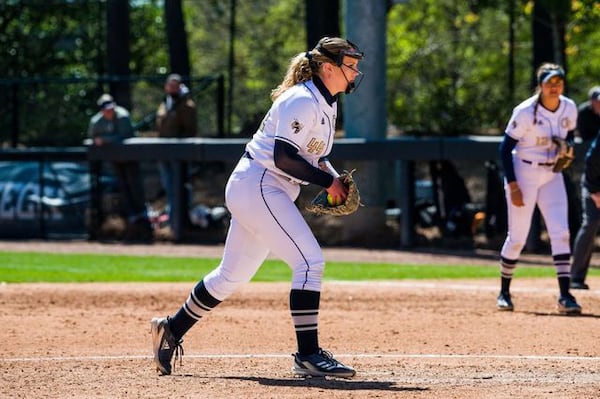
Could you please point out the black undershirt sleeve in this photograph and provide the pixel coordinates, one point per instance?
(506, 147)
(287, 159)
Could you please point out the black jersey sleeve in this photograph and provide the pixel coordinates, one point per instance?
(287, 159)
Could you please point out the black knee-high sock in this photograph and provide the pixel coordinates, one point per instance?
(304, 306)
(507, 269)
(563, 285)
(562, 263)
(505, 285)
(198, 303)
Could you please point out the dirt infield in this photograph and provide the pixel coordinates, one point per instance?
(407, 339)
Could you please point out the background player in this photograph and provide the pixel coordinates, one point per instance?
(286, 152)
(530, 180)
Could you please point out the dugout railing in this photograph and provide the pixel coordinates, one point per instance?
(405, 150)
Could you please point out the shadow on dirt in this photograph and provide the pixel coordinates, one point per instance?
(582, 315)
(325, 383)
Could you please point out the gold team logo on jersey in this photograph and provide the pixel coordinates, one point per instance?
(565, 123)
(315, 146)
(543, 141)
(296, 126)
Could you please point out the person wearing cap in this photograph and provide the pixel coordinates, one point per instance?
(289, 150)
(528, 154)
(175, 118)
(588, 126)
(112, 123)
(110, 126)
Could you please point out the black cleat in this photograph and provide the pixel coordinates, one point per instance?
(504, 302)
(579, 285)
(320, 364)
(164, 345)
(568, 305)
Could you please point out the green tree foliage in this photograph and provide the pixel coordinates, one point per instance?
(49, 46)
(447, 60)
(267, 34)
(447, 66)
(582, 50)
(40, 39)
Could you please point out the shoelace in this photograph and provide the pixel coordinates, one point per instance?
(328, 355)
(178, 354)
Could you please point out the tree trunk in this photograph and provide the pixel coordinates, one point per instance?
(117, 48)
(548, 26)
(322, 19)
(177, 39)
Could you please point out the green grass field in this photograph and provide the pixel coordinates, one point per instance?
(22, 267)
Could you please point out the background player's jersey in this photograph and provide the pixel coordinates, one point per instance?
(301, 117)
(534, 132)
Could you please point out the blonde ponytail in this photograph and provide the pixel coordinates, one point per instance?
(299, 70)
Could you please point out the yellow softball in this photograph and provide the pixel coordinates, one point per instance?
(331, 201)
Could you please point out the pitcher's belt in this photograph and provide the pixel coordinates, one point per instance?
(538, 163)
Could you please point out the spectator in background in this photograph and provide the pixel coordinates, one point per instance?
(588, 125)
(175, 118)
(588, 119)
(111, 125)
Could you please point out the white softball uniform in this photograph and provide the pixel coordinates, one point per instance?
(533, 158)
(261, 197)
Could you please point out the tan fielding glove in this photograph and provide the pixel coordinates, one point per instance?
(565, 154)
(320, 206)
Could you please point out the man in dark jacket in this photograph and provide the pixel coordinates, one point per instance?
(175, 118)
(588, 119)
(176, 115)
(588, 124)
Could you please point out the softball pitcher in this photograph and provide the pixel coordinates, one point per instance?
(528, 155)
(286, 152)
